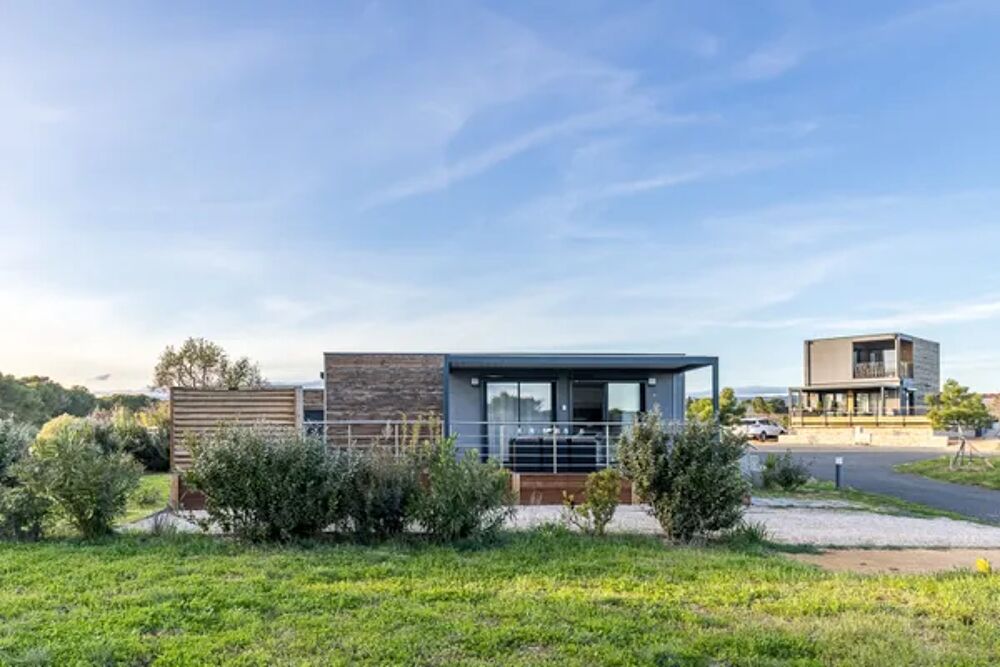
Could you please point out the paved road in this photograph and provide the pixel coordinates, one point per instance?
(871, 469)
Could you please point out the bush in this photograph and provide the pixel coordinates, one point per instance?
(98, 431)
(380, 492)
(265, 485)
(751, 536)
(463, 497)
(691, 477)
(593, 515)
(149, 446)
(783, 472)
(15, 438)
(22, 513)
(86, 483)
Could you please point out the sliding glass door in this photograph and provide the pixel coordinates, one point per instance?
(513, 409)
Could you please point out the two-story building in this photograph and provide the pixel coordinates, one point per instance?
(869, 389)
(880, 374)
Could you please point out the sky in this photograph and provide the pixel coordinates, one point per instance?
(704, 177)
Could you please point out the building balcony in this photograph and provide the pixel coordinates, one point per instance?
(870, 370)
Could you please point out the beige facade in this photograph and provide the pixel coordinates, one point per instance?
(879, 374)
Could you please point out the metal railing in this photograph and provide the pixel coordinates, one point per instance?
(915, 416)
(542, 446)
(871, 369)
(866, 370)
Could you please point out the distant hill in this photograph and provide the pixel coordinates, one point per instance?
(749, 391)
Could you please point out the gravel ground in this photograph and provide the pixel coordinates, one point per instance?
(819, 523)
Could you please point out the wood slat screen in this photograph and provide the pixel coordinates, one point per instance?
(198, 411)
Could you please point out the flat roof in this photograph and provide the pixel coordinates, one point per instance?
(888, 383)
(872, 336)
(673, 362)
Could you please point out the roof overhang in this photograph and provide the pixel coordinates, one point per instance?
(874, 384)
(660, 362)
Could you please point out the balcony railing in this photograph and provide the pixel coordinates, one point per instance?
(879, 369)
(915, 416)
(541, 447)
(872, 369)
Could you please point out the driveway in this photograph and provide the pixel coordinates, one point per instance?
(871, 469)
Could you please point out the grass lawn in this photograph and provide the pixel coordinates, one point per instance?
(545, 597)
(152, 495)
(976, 473)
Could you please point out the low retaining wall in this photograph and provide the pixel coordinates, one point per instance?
(184, 498)
(860, 435)
(548, 488)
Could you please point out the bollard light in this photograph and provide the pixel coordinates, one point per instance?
(839, 463)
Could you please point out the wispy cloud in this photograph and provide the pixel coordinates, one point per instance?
(446, 175)
(788, 52)
(769, 62)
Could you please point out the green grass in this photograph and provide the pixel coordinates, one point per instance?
(974, 473)
(542, 598)
(873, 502)
(151, 496)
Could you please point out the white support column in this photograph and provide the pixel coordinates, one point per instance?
(715, 389)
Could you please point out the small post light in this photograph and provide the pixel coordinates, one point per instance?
(839, 464)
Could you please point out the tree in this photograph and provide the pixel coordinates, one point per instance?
(730, 408)
(202, 364)
(36, 399)
(958, 408)
(133, 402)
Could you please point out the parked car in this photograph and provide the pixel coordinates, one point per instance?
(759, 428)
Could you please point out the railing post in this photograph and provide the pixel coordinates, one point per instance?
(350, 440)
(607, 445)
(555, 449)
(395, 437)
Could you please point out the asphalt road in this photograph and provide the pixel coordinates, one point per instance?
(871, 469)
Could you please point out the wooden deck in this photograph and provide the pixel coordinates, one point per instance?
(548, 488)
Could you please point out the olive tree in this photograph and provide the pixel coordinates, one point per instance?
(957, 408)
(201, 364)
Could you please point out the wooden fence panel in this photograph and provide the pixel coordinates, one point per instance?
(199, 411)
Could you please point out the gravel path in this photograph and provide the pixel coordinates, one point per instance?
(812, 525)
(819, 523)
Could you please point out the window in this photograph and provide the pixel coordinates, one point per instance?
(624, 401)
(516, 408)
(314, 421)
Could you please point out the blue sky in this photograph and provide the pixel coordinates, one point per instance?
(713, 178)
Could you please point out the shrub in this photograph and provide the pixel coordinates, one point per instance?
(602, 489)
(148, 445)
(463, 497)
(22, 513)
(691, 477)
(15, 439)
(98, 431)
(86, 483)
(747, 536)
(380, 492)
(783, 472)
(264, 484)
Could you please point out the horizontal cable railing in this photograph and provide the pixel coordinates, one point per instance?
(521, 446)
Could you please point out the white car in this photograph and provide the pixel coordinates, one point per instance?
(760, 429)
